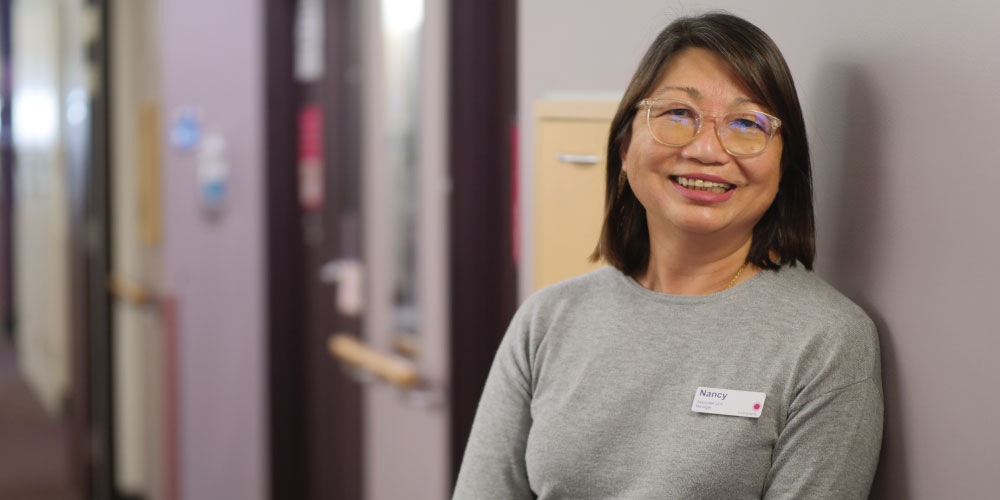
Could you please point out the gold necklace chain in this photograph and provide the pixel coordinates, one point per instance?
(738, 273)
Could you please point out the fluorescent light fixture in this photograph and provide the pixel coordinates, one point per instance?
(402, 16)
(35, 117)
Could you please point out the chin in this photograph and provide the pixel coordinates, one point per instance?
(699, 223)
(696, 225)
(704, 229)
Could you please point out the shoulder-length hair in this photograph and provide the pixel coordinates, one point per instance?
(785, 233)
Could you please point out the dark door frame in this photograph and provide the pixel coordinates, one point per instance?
(483, 288)
(286, 374)
(91, 404)
(6, 175)
(97, 248)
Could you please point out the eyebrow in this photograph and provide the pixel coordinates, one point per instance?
(693, 92)
(746, 100)
(690, 90)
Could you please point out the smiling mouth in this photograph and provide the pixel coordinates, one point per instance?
(702, 185)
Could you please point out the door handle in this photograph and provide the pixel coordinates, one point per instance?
(578, 159)
(350, 350)
(348, 275)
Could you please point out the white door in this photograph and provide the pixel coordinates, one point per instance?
(405, 182)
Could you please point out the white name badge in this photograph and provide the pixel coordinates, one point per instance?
(728, 402)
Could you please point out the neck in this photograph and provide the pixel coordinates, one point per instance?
(696, 265)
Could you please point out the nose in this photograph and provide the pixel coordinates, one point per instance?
(706, 147)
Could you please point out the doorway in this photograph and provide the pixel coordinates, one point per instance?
(437, 262)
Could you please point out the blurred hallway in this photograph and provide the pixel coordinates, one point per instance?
(260, 250)
(33, 447)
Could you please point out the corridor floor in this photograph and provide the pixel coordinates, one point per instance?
(34, 448)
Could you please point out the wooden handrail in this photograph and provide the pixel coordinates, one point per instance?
(129, 292)
(350, 350)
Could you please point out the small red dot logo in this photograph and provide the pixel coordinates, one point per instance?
(756, 406)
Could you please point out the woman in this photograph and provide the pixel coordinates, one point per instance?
(707, 361)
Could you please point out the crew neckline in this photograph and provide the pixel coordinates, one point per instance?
(754, 282)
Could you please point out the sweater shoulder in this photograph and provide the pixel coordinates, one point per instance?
(579, 288)
(567, 300)
(803, 292)
(833, 330)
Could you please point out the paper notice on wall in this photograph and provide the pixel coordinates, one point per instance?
(309, 39)
(311, 179)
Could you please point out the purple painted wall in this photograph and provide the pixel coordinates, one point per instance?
(899, 100)
(212, 61)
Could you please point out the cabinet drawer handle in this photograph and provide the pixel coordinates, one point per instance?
(578, 159)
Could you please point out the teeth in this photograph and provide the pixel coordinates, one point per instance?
(703, 185)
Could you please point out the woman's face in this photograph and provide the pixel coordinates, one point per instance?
(656, 171)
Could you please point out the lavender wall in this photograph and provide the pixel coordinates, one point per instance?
(900, 103)
(212, 60)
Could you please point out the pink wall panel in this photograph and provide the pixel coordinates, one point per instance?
(212, 62)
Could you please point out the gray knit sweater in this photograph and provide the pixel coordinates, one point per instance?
(590, 395)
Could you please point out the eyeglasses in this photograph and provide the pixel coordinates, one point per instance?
(676, 122)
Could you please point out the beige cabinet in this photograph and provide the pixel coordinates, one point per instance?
(569, 186)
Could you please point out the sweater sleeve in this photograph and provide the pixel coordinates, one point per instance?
(829, 446)
(494, 462)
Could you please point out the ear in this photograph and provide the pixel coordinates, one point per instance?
(625, 143)
(623, 153)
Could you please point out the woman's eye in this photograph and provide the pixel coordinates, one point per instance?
(675, 113)
(746, 124)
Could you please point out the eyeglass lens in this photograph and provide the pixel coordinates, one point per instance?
(742, 132)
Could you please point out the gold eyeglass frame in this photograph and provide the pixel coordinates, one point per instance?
(649, 103)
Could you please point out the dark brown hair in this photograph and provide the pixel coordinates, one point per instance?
(785, 233)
